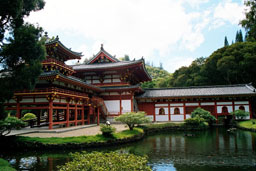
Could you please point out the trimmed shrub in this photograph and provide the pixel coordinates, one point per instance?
(107, 130)
(97, 161)
(29, 116)
(10, 123)
(240, 114)
(206, 115)
(132, 119)
(4, 165)
(195, 121)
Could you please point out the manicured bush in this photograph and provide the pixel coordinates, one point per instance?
(5, 166)
(29, 116)
(195, 121)
(206, 115)
(9, 124)
(132, 119)
(107, 130)
(99, 161)
(240, 114)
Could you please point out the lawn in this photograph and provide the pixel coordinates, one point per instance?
(250, 124)
(82, 139)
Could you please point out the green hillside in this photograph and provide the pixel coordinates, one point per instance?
(160, 77)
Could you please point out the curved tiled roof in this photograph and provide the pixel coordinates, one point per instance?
(204, 91)
(105, 65)
(71, 78)
(56, 40)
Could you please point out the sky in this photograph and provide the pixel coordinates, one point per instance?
(171, 32)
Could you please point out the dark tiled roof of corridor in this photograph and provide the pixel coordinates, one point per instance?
(232, 90)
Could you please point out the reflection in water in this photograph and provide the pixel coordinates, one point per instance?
(208, 150)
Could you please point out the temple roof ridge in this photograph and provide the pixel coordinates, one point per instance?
(102, 50)
(56, 40)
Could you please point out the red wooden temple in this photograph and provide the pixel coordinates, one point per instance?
(105, 87)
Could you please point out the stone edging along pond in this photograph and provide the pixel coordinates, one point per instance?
(13, 143)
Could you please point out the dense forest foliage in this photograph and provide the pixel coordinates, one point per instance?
(160, 77)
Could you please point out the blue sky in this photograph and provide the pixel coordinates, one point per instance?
(173, 32)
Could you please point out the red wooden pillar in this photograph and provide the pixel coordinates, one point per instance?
(184, 110)
(89, 115)
(250, 109)
(67, 115)
(98, 115)
(121, 103)
(50, 114)
(169, 111)
(18, 110)
(132, 107)
(154, 119)
(215, 110)
(82, 114)
(75, 113)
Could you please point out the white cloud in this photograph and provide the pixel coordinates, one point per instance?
(228, 11)
(134, 27)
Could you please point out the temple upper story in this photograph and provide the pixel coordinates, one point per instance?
(105, 70)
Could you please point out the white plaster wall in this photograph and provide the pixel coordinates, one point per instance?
(107, 81)
(242, 102)
(181, 110)
(113, 106)
(224, 103)
(96, 81)
(126, 104)
(116, 80)
(219, 109)
(165, 111)
(176, 104)
(114, 93)
(207, 104)
(27, 100)
(246, 107)
(188, 116)
(162, 118)
(177, 117)
(161, 105)
(191, 104)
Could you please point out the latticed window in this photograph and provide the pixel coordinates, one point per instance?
(241, 108)
(176, 111)
(161, 111)
(224, 109)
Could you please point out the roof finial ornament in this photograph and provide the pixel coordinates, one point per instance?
(101, 48)
(57, 38)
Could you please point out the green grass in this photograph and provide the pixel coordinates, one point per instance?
(82, 139)
(248, 124)
(4, 165)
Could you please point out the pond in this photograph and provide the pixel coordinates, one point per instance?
(210, 150)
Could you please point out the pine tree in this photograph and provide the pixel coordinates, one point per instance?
(226, 41)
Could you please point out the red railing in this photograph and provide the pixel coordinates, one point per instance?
(53, 89)
(48, 60)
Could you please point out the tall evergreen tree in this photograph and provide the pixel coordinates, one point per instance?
(239, 36)
(226, 41)
(21, 50)
(249, 23)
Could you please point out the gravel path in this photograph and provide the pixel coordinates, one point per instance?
(81, 132)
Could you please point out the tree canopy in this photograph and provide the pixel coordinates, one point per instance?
(21, 48)
(249, 23)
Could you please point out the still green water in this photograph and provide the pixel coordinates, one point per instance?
(211, 150)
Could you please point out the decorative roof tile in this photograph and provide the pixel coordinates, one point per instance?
(204, 91)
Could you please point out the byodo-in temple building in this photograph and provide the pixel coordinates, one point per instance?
(106, 87)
